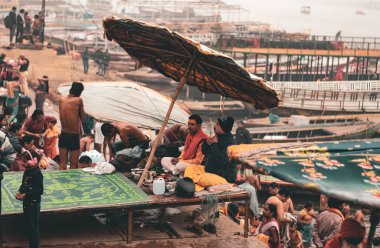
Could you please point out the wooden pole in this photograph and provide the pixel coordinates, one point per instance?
(158, 138)
(277, 67)
(266, 66)
(255, 63)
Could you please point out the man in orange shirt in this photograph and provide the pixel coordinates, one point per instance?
(192, 153)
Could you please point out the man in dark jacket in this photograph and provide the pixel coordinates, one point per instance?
(20, 26)
(215, 150)
(85, 59)
(12, 24)
(217, 169)
(242, 134)
(30, 191)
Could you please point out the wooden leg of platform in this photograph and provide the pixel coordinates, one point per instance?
(1, 232)
(130, 226)
(1, 220)
(246, 218)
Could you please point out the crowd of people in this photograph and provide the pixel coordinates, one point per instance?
(333, 227)
(24, 27)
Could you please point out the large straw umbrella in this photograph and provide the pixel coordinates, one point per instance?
(187, 61)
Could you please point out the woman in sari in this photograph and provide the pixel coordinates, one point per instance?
(269, 229)
(36, 126)
(51, 137)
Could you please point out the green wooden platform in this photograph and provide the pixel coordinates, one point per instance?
(74, 189)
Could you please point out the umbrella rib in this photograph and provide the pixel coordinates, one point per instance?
(216, 88)
(151, 48)
(240, 77)
(180, 44)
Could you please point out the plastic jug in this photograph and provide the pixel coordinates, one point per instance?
(159, 186)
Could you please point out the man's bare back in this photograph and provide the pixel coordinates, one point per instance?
(176, 133)
(279, 205)
(71, 114)
(359, 216)
(128, 131)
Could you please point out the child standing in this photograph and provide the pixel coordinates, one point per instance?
(295, 236)
(305, 221)
(30, 193)
(51, 138)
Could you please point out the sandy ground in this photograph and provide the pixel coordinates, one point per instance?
(83, 230)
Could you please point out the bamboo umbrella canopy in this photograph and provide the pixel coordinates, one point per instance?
(170, 54)
(187, 61)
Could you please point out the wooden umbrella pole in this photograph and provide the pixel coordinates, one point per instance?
(158, 138)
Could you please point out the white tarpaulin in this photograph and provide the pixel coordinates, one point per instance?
(127, 102)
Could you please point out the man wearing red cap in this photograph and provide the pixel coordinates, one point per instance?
(351, 234)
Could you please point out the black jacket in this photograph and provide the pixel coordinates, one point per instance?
(19, 21)
(32, 184)
(12, 17)
(216, 159)
(243, 136)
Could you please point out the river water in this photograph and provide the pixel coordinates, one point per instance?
(327, 17)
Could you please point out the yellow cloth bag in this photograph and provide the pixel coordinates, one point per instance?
(201, 178)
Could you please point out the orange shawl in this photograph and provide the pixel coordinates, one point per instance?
(191, 144)
(336, 211)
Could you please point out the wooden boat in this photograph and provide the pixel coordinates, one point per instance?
(326, 120)
(314, 102)
(282, 134)
(207, 108)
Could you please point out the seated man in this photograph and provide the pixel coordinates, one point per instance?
(218, 169)
(192, 153)
(176, 134)
(130, 136)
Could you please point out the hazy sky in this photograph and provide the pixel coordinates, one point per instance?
(327, 16)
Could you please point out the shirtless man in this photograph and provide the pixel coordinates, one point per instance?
(175, 134)
(71, 114)
(130, 136)
(85, 143)
(279, 200)
(360, 214)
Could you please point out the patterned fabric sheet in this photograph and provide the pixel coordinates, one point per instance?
(355, 178)
(73, 189)
(251, 151)
(335, 148)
